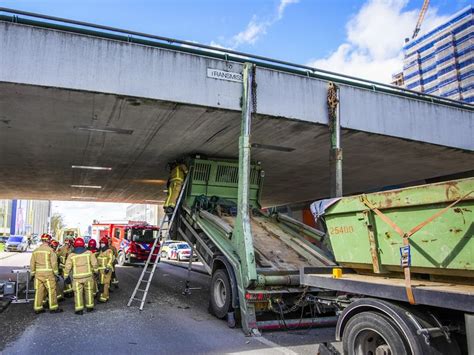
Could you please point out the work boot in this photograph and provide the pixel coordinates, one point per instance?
(59, 310)
(80, 313)
(169, 211)
(90, 309)
(39, 312)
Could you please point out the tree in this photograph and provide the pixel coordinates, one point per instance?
(57, 223)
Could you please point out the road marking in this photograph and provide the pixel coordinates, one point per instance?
(275, 346)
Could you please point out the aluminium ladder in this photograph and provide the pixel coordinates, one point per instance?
(146, 276)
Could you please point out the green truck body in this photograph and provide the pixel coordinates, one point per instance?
(279, 244)
(360, 238)
(264, 257)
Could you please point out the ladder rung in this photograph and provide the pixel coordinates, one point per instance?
(166, 221)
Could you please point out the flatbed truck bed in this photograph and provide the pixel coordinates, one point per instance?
(441, 294)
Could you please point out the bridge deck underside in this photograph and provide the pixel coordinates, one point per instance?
(40, 139)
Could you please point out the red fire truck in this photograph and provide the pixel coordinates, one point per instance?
(132, 239)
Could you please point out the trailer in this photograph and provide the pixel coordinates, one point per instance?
(405, 284)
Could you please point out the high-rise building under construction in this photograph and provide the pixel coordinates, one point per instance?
(441, 62)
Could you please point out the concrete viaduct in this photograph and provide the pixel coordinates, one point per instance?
(76, 96)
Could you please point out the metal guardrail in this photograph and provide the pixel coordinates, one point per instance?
(216, 52)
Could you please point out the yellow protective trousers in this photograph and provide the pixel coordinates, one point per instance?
(173, 193)
(67, 287)
(105, 280)
(59, 291)
(45, 286)
(83, 286)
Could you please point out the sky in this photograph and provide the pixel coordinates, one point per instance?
(363, 38)
(81, 214)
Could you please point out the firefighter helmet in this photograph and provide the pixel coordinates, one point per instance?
(45, 237)
(104, 240)
(54, 243)
(79, 242)
(92, 244)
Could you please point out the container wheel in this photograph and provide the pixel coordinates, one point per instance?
(221, 294)
(371, 333)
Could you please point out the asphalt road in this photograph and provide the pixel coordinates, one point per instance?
(170, 323)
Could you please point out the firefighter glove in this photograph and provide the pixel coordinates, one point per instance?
(107, 270)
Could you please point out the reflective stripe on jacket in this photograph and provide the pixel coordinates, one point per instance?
(105, 259)
(114, 250)
(82, 265)
(63, 253)
(178, 173)
(43, 260)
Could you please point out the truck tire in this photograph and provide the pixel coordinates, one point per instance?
(373, 333)
(221, 294)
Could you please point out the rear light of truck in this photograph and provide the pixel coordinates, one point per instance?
(257, 297)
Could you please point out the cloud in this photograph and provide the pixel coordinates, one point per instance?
(252, 32)
(374, 40)
(257, 28)
(282, 6)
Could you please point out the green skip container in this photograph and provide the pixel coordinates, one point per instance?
(363, 230)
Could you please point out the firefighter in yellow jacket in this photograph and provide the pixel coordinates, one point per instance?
(106, 265)
(83, 265)
(175, 182)
(54, 244)
(44, 268)
(115, 280)
(63, 253)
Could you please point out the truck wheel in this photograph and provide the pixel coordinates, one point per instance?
(372, 333)
(221, 294)
(121, 259)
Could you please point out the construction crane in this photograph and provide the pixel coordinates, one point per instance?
(424, 8)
